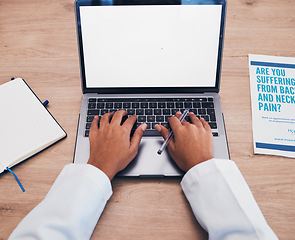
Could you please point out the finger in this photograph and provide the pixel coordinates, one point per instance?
(162, 130)
(105, 119)
(137, 136)
(117, 118)
(195, 120)
(174, 122)
(94, 124)
(165, 133)
(178, 115)
(205, 124)
(130, 122)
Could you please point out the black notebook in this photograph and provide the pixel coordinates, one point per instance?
(26, 126)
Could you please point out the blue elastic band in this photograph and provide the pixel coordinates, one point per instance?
(18, 181)
(45, 103)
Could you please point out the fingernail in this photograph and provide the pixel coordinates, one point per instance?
(143, 127)
(158, 128)
(96, 117)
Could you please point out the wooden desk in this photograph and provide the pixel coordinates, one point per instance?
(38, 43)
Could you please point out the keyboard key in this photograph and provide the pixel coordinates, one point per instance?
(136, 125)
(103, 111)
(86, 133)
(148, 111)
(210, 99)
(179, 105)
(152, 105)
(166, 125)
(195, 111)
(130, 111)
(91, 100)
(154, 124)
(158, 111)
(139, 111)
(126, 105)
(151, 132)
(161, 105)
(170, 104)
(206, 117)
(109, 105)
(174, 111)
(93, 112)
(211, 113)
(141, 118)
(215, 134)
(213, 125)
(166, 112)
(91, 105)
(208, 105)
(144, 105)
(100, 105)
(196, 104)
(151, 118)
(167, 118)
(89, 119)
(135, 105)
(187, 104)
(88, 125)
(160, 118)
(118, 105)
(201, 111)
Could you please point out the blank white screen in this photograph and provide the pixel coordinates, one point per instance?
(150, 46)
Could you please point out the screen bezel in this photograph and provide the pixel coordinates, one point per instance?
(137, 90)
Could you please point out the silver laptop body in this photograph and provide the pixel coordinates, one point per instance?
(146, 50)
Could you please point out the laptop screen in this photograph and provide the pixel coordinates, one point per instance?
(150, 46)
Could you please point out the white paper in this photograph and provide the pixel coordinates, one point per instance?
(26, 127)
(272, 81)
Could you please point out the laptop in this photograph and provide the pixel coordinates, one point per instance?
(151, 58)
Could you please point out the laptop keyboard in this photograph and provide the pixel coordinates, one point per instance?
(152, 111)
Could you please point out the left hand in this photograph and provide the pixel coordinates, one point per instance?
(110, 147)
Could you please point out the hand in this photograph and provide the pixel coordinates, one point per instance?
(192, 143)
(110, 147)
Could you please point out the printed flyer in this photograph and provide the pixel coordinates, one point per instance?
(272, 82)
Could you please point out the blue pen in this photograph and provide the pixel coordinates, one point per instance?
(182, 117)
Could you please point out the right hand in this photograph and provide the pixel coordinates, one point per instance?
(191, 144)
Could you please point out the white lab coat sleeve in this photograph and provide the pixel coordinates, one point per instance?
(71, 208)
(223, 203)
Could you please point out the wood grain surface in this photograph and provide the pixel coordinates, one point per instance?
(38, 43)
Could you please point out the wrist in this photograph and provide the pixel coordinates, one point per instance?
(109, 171)
(195, 163)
